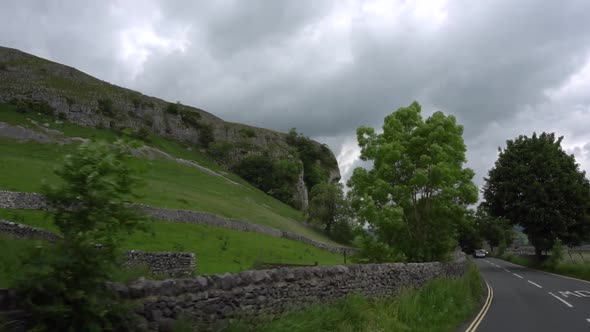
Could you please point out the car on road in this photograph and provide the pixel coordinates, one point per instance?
(480, 253)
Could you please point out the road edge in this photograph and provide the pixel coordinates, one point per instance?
(550, 273)
(483, 311)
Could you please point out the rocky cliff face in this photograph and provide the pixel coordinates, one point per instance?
(72, 95)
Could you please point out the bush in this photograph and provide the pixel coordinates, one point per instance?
(62, 116)
(372, 250)
(191, 118)
(24, 106)
(149, 122)
(221, 151)
(63, 286)
(206, 136)
(173, 108)
(105, 106)
(142, 134)
(556, 255)
(248, 132)
(3, 66)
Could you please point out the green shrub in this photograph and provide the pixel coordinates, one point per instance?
(276, 178)
(370, 250)
(3, 66)
(247, 132)
(149, 122)
(206, 136)
(220, 151)
(62, 116)
(105, 106)
(141, 134)
(70, 101)
(556, 254)
(24, 106)
(63, 286)
(173, 108)
(191, 118)
(136, 101)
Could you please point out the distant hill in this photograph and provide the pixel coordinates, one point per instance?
(283, 165)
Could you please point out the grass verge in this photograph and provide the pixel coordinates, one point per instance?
(441, 305)
(570, 269)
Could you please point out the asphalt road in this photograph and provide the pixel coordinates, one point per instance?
(528, 300)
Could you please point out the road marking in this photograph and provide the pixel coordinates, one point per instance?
(518, 275)
(507, 270)
(484, 310)
(588, 320)
(562, 300)
(535, 284)
(578, 293)
(553, 274)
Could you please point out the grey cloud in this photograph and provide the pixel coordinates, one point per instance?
(283, 64)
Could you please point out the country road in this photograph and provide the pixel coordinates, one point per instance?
(528, 300)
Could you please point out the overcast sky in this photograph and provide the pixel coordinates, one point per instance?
(503, 68)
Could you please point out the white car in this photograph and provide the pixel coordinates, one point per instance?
(480, 253)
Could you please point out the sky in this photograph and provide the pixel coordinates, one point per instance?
(326, 67)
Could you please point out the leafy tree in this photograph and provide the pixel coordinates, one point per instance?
(418, 188)
(64, 286)
(316, 159)
(494, 230)
(327, 205)
(537, 185)
(470, 238)
(276, 178)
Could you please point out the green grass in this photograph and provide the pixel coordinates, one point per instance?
(12, 252)
(580, 270)
(25, 165)
(441, 305)
(218, 250)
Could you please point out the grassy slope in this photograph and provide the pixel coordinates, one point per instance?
(167, 184)
(441, 305)
(218, 250)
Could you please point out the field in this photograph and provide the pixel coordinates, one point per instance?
(24, 167)
(218, 250)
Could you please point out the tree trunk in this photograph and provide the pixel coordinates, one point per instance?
(538, 253)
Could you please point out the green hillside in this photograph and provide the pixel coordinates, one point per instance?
(167, 183)
(26, 165)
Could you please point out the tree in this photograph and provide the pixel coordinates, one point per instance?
(534, 183)
(64, 286)
(469, 238)
(327, 204)
(495, 231)
(418, 188)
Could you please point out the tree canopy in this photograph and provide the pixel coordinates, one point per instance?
(536, 184)
(418, 188)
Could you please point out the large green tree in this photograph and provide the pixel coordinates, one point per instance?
(418, 188)
(536, 184)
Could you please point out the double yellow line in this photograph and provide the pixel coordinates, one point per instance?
(484, 310)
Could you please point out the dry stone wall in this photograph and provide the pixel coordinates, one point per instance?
(211, 300)
(20, 231)
(33, 201)
(174, 264)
